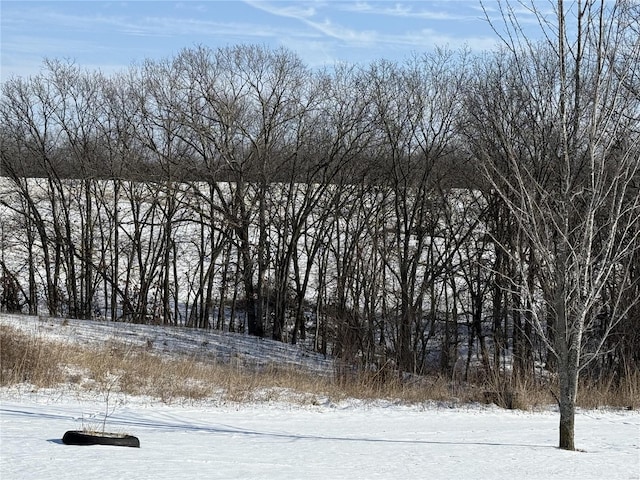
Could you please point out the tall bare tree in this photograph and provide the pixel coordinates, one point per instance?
(557, 133)
(415, 110)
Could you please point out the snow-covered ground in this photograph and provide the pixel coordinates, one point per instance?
(352, 439)
(326, 442)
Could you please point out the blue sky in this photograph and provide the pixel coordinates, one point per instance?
(110, 35)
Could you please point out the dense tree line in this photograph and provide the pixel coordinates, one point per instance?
(407, 216)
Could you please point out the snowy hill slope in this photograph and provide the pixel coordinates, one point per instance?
(223, 347)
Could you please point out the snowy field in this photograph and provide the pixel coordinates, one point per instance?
(322, 442)
(352, 439)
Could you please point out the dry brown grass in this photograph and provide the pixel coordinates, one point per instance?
(26, 358)
(117, 367)
(611, 392)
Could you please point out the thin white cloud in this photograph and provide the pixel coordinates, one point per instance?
(417, 39)
(284, 9)
(306, 15)
(156, 26)
(403, 10)
(345, 34)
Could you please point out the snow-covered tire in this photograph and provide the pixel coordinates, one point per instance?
(77, 437)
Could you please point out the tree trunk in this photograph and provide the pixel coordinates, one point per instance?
(567, 420)
(567, 349)
(567, 404)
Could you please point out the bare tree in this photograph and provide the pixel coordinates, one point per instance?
(416, 107)
(27, 113)
(163, 95)
(117, 152)
(556, 130)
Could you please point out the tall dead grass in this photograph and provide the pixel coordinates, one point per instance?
(117, 367)
(611, 392)
(28, 358)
